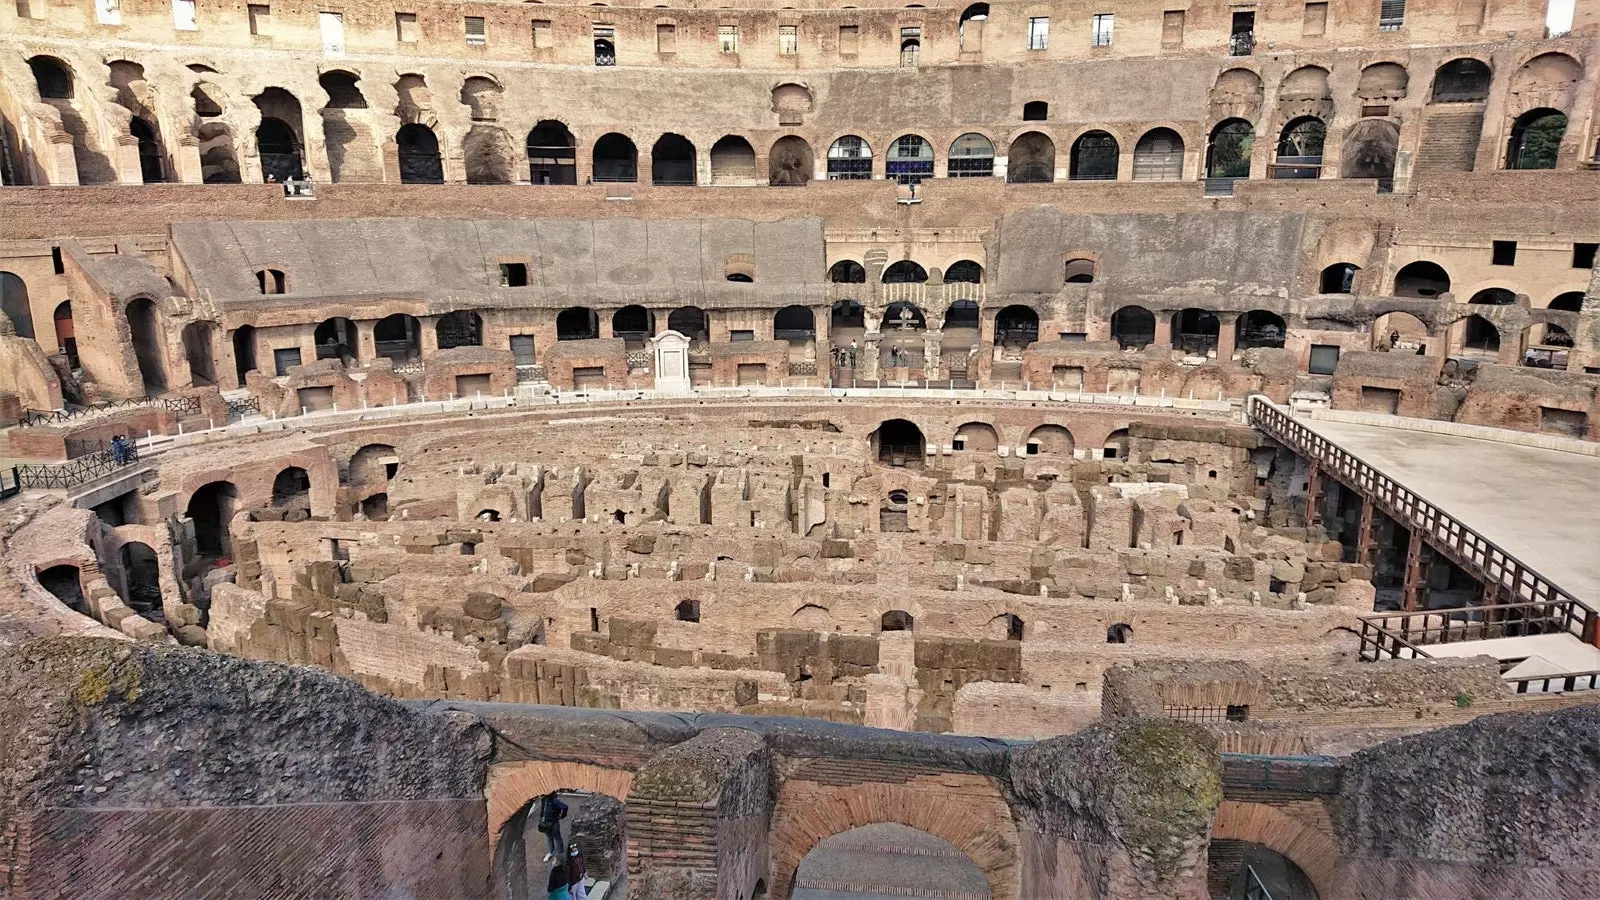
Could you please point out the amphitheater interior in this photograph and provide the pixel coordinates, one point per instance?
(898, 450)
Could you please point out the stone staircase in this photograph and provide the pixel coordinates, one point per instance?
(1450, 134)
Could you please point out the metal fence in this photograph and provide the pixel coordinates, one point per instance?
(180, 405)
(74, 472)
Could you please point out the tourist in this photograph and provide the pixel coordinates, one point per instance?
(119, 450)
(551, 812)
(557, 886)
(577, 871)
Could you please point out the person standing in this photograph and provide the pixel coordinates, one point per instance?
(551, 812)
(557, 886)
(577, 873)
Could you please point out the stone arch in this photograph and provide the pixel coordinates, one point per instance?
(15, 304)
(905, 271)
(1116, 444)
(65, 583)
(733, 161)
(898, 439)
(672, 160)
(1095, 156)
(1399, 330)
(1016, 326)
(489, 155)
(1535, 140)
(219, 160)
(1421, 279)
(1228, 149)
(1050, 440)
(577, 323)
(511, 786)
(1312, 850)
(980, 437)
(616, 159)
(1133, 327)
(847, 271)
(552, 154)
(791, 102)
(634, 324)
(211, 507)
(420, 162)
(1383, 81)
(1571, 301)
(1464, 80)
(343, 89)
(1305, 84)
(1259, 328)
(1031, 159)
(1238, 87)
(691, 322)
(141, 580)
(1158, 156)
(144, 327)
(967, 811)
(790, 161)
(910, 159)
(370, 464)
(281, 134)
(481, 94)
(971, 156)
(1368, 149)
(849, 159)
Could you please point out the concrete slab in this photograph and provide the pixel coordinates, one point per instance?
(1561, 653)
(1542, 506)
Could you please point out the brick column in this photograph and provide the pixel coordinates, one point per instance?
(1227, 336)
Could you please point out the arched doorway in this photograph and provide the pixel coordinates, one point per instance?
(672, 160)
(595, 823)
(142, 580)
(1462, 81)
(418, 148)
(1260, 328)
(1015, 327)
(291, 489)
(1195, 331)
(1254, 870)
(1536, 139)
(1094, 157)
(211, 508)
(1339, 278)
(1133, 327)
(1477, 337)
(1031, 159)
(336, 339)
(150, 170)
(616, 159)
(963, 271)
(577, 323)
(733, 161)
(634, 324)
(691, 322)
(552, 154)
(67, 340)
(898, 442)
(279, 148)
(1228, 150)
(798, 326)
(847, 271)
(1421, 279)
(889, 859)
(15, 304)
(63, 582)
(398, 337)
(197, 340)
(1399, 332)
(1369, 149)
(790, 162)
(145, 328)
(244, 351)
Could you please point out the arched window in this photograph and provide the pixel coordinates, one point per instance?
(1421, 279)
(1078, 271)
(1300, 149)
(1228, 151)
(420, 162)
(1016, 327)
(616, 159)
(672, 160)
(1493, 297)
(1158, 156)
(1195, 331)
(398, 337)
(971, 156)
(1462, 81)
(279, 148)
(1035, 111)
(795, 324)
(898, 443)
(1260, 328)
(52, 77)
(15, 304)
(964, 271)
(1094, 157)
(1571, 301)
(1031, 159)
(271, 281)
(905, 272)
(605, 53)
(847, 271)
(1480, 335)
(909, 48)
(1536, 140)
(577, 323)
(1339, 278)
(689, 321)
(896, 620)
(336, 339)
(910, 159)
(634, 324)
(849, 159)
(977, 14)
(552, 154)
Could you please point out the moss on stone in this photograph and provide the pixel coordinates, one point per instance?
(1176, 783)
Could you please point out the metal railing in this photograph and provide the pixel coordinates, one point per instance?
(241, 407)
(1219, 187)
(1284, 774)
(1556, 684)
(1254, 889)
(180, 405)
(74, 472)
(1503, 575)
(1403, 634)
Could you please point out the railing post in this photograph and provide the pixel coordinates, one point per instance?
(1415, 590)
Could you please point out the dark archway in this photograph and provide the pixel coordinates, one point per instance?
(1133, 327)
(634, 324)
(462, 328)
(142, 580)
(691, 322)
(897, 619)
(1260, 328)
(278, 137)
(552, 154)
(344, 90)
(903, 315)
(1300, 148)
(52, 77)
(846, 314)
(1479, 334)
(1031, 159)
(244, 351)
(211, 508)
(1493, 297)
(1195, 331)
(150, 168)
(336, 339)
(672, 160)
(420, 162)
(197, 340)
(1078, 271)
(15, 304)
(1016, 327)
(790, 161)
(1005, 627)
(63, 581)
(578, 323)
(1421, 279)
(1536, 140)
(144, 326)
(1249, 869)
(1571, 301)
(1462, 81)
(616, 159)
(398, 337)
(847, 271)
(1228, 151)
(291, 489)
(1339, 278)
(898, 443)
(964, 271)
(795, 324)
(905, 272)
(373, 464)
(66, 337)
(1094, 157)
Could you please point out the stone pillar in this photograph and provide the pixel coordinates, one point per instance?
(1163, 329)
(366, 341)
(867, 359)
(1227, 336)
(186, 161)
(428, 338)
(931, 363)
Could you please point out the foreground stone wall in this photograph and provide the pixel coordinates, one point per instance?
(141, 771)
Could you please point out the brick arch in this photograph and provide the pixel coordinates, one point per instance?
(512, 785)
(1304, 845)
(967, 811)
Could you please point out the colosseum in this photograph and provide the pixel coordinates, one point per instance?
(830, 452)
